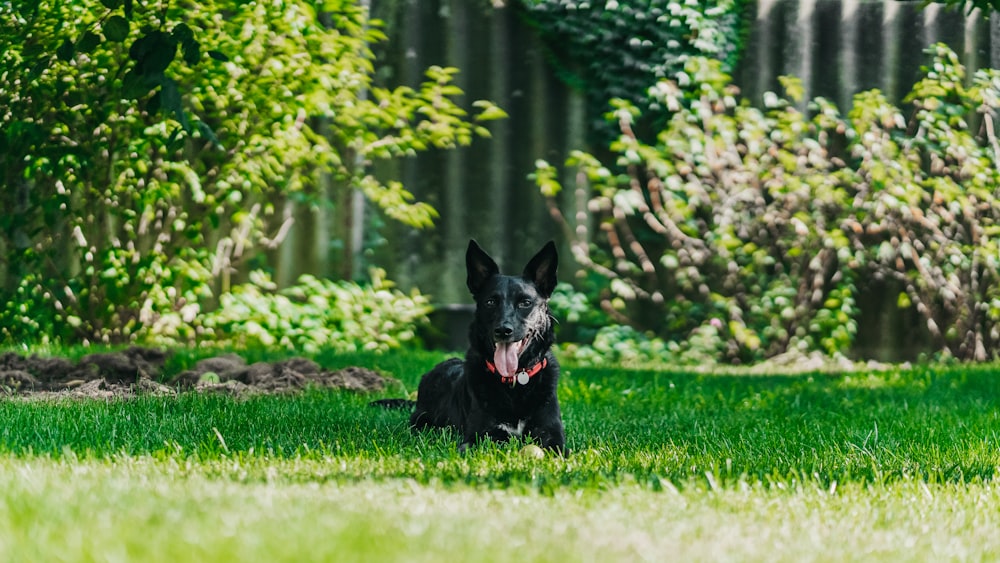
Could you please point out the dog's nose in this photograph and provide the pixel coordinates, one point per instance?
(503, 332)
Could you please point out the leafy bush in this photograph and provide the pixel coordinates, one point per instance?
(588, 336)
(763, 223)
(616, 49)
(124, 208)
(312, 315)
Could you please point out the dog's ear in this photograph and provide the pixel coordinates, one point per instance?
(480, 267)
(541, 269)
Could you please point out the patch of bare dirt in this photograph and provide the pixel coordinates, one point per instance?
(139, 371)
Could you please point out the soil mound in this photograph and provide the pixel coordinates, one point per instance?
(231, 374)
(139, 371)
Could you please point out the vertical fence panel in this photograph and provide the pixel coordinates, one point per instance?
(482, 191)
(836, 47)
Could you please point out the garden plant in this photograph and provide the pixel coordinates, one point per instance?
(152, 154)
(741, 233)
(142, 152)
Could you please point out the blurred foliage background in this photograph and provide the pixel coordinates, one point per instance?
(255, 174)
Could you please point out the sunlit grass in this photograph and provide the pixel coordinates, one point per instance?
(887, 465)
(125, 508)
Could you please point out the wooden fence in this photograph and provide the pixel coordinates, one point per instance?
(837, 47)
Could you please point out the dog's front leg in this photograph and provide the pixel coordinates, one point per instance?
(550, 436)
(480, 427)
(475, 438)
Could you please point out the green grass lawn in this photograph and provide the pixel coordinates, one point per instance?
(900, 465)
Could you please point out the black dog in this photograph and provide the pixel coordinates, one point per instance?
(506, 386)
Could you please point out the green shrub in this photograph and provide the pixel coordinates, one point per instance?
(313, 315)
(617, 49)
(133, 196)
(762, 223)
(588, 336)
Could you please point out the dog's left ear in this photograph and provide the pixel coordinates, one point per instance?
(541, 269)
(479, 267)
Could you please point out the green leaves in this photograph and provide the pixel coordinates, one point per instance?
(88, 42)
(116, 29)
(619, 49)
(153, 52)
(183, 35)
(27, 8)
(488, 111)
(123, 197)
(793, 87)
(318, 315)
(398, 203)
(66, 50)
(546, 178)
(170, 100)
(135, 85)
(768, 221)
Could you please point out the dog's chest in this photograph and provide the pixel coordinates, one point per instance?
(511, 429)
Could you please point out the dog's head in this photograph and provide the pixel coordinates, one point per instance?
(512, 312)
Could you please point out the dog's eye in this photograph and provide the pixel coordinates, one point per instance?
(491, 302)
(525, 303)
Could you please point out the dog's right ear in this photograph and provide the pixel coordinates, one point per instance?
(541, 269)
(480, 267)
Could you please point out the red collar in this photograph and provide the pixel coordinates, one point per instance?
(527, 373)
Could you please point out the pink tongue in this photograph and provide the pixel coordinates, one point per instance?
(506, 357)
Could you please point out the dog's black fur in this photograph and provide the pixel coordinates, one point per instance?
(512, 332)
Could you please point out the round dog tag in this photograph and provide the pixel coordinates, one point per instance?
(523, 377)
